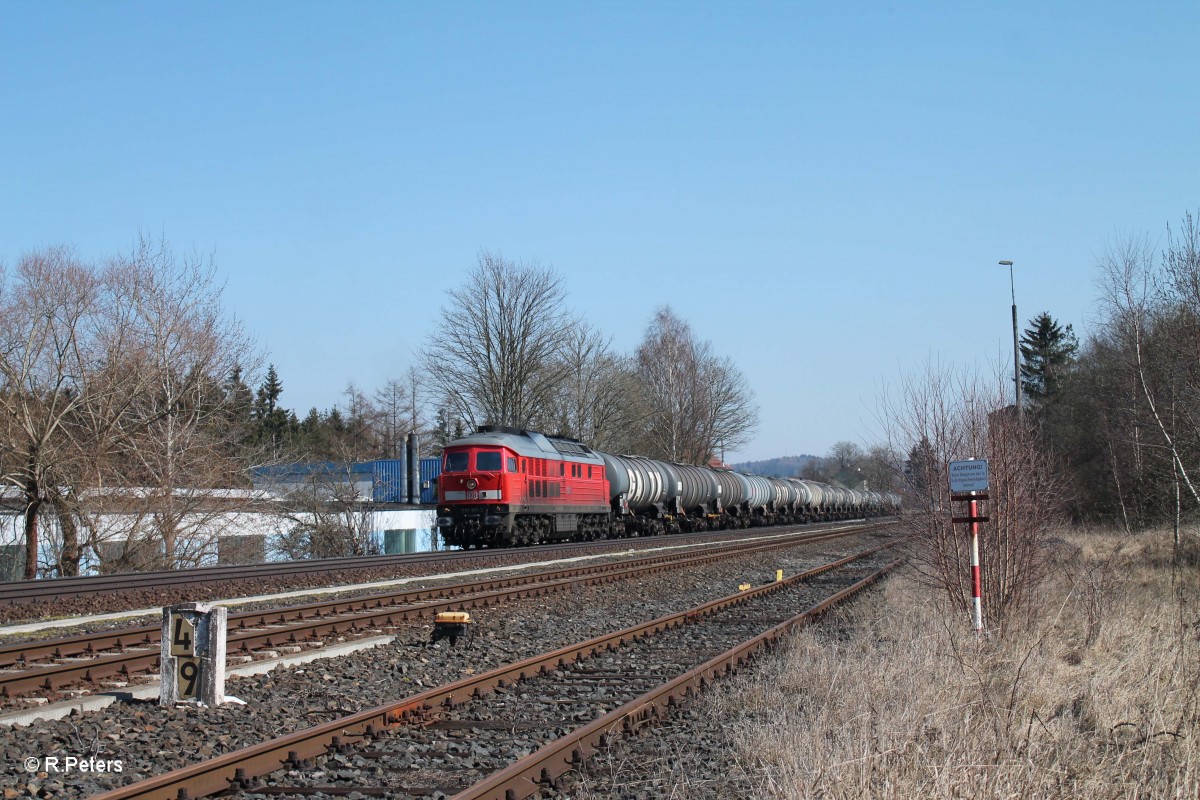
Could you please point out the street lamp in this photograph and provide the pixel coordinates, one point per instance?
(1016, 347)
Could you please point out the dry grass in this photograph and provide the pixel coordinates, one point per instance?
(1095, 697)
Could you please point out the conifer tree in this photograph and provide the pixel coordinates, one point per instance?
(922, 467)
(274, 423)
(1047, 352)
(268, 394)
(239, 402)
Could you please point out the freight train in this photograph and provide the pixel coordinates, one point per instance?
(505, 487)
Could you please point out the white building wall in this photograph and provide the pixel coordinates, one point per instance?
(210, 527)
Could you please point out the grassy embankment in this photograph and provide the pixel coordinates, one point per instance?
(1097, 695)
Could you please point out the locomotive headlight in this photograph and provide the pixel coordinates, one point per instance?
(471, 484)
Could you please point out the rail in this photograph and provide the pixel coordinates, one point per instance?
(232, 771)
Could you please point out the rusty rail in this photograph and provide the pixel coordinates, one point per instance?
(381, 610)
(232, 770)
(49, 589)
(523, 778)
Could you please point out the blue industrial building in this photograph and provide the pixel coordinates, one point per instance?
(380, 481)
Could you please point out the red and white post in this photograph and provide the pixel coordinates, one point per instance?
(969, 483)
(976, 577)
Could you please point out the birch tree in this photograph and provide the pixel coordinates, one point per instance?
(696, 404)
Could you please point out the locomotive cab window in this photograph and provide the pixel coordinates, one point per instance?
(456, 462)
(488, 461)
(512, 465)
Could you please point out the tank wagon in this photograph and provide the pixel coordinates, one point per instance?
(505, 487)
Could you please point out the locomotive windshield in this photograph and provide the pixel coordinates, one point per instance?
(456, 462)
(487, 461)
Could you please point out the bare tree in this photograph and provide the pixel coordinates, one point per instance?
(415, 411)
(668, 371)
(329, 514)
(1151, 336)
(174, 441)
(845, 455)
(947, 415)
(728, 413)
(496, 354)
(390, 400)
(60, 367)
(598, 401)
(696, 404)
(328, 518)
(111, 383)
(401, 408)
(362, 425)
(882, 468)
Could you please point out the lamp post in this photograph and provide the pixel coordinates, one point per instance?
(1016, 347)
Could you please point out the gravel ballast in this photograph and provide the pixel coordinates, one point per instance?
(149, 740)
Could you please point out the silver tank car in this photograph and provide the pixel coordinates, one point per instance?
(804, 499)
(700, 489)
(785, 495)
(650, 489)
(639, 479)
(761, 493)
(734, 491)
(817, 498)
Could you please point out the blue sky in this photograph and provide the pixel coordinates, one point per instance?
(822, 189)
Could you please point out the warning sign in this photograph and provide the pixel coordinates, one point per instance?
(969, 476)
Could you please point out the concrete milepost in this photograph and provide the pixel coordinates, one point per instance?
(969, 483)
(193, 654)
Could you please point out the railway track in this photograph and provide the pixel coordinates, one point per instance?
(46, 667)
(511, 730)
(134, 584)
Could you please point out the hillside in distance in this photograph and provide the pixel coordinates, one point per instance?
(783, 467)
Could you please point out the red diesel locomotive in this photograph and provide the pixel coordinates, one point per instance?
(503, 487)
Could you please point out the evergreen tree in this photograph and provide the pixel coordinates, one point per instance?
(447, 427)
(441, 429)
(1047, 353)
(273, 422)
(239, 402)
(922, 467)
(268, 394)
(311, 425)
